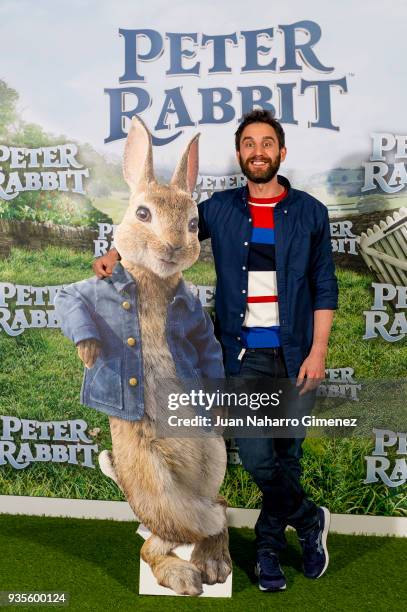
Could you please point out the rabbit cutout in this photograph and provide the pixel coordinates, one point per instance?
(171, 484)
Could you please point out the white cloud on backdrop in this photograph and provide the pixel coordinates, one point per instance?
(60, 57)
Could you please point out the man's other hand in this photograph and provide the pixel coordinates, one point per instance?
(103, 266)
(312, 371)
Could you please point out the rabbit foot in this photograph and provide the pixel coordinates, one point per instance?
(214, 570)
(212, 558)
(180, 576)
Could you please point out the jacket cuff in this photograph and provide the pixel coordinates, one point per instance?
(86, 332)
(325, 305)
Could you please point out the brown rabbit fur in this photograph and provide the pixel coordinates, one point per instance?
(171, 484)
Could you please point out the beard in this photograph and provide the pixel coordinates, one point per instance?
(260, 175)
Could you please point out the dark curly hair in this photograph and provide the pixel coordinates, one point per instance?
(260, 116)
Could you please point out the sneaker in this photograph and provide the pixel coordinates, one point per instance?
(314, 551)
(269, 572)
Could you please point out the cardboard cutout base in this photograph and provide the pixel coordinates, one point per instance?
(149, 586)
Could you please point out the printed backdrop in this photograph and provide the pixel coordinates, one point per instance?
(73, 76)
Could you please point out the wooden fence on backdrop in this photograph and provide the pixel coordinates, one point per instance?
(33, 235)
(384, 248)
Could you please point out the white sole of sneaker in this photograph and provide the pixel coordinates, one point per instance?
(327, 522)
(283, 588)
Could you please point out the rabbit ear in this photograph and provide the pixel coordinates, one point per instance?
(138, 156)
(186, 172)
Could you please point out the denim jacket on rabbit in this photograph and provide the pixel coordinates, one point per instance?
(106, 310)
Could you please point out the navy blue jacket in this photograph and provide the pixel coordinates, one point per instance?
(305, 269)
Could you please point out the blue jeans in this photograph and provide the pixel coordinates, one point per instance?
(274, 464)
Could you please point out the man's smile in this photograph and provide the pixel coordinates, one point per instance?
(259, 163)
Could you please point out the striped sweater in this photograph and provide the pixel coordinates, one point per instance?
(261, 325)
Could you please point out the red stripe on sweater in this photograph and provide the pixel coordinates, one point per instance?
(262, 216)
(262, 298)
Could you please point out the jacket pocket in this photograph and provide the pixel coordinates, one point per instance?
(106, 386)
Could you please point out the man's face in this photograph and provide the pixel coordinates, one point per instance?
(259, 155)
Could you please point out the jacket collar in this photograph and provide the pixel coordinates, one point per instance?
(185, 294)
(244, 191)
(121, 279)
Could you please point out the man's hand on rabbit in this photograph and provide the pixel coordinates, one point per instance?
(103, 266)
(89, 351)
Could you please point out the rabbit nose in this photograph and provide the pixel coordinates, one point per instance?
(173, 248)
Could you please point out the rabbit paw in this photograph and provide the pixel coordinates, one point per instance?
(214, 565)
(180, 576)
(214, 570)
(89, 351)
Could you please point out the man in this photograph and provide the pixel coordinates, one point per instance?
(275, 296)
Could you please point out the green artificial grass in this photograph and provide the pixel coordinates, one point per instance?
(41, 375)
(97, 563)
(57, 266)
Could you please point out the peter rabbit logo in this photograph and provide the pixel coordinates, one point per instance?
(171, 484)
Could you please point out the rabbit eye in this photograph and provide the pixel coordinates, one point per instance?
(143, 214)
(193, 225)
